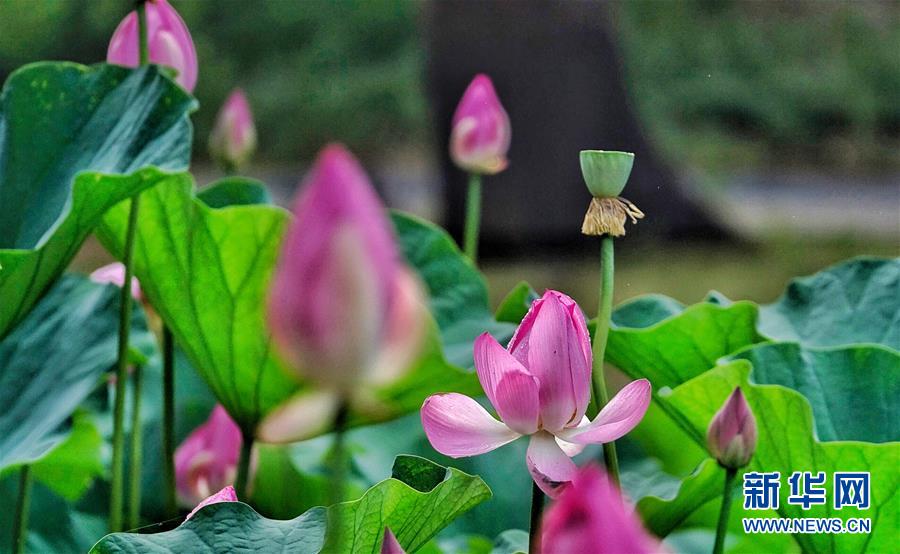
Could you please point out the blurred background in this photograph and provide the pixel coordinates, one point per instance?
(767, 133)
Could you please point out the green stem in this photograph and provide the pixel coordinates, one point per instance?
(116, 500)
(601, 334)
(134, 473)
(722, 527)
(534, 528)
(20, 527)
(338, 466)
(168, 421)
(243, 474)
(473, 217)
(125, 301)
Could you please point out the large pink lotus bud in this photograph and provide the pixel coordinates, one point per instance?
(591, 516)
(731, 438)
(207, 459)
(481, 132)
(341, 299)
(233, 138)
(168, 40)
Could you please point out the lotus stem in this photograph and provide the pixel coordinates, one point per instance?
(473, 217)
(168, 421)
(534, 528)
(134, 473)
(118, 458)
(20, 527)
(601, 334)
(722, 527)
(242, 482)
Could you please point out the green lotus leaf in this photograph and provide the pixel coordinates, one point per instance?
(75, 141)
(419, 500)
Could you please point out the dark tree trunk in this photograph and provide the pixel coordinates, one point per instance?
(557, 70)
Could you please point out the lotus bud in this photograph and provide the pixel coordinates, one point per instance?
(606, 173)
(168, 41)
(731, 438)
(233, 138)
(114, 273)
(481, 133)
(227, 494)
(390, 545)
(340, 300)
(207, 459)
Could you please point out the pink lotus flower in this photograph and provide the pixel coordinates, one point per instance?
(590, 516)
(225, 495)
(481, 132)
(114, 273)
(343, 309)
(731, 438)
(540, 386)
(168, 39)
(390, 545)
(207, 459)
(233, 139)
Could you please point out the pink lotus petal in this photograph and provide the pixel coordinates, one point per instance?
(492, 362)
(481, 134)
(549, 466)
(556, 355)
(114, 273)
(227, 494)
(390, 545)
(406, 329)
(168, 38)
(207, 459)
(299, 418)
(570, 448)
(517, 401)
(590, 516)
(457, 426)
(617, 418)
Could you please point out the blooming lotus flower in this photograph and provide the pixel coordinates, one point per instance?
(114, 273)
(590, 516)
(540, 386)
(480, 136)
(343, 310)
(225, 495)
(207, 459)
(168, 40)
(233, 138)
(390, 545)
(732, 434)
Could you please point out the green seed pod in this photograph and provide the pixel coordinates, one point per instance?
(606, 172)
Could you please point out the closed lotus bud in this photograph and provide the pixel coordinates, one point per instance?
(207, 459)
(389, 544)
(342, 307)
(168, 40)
(481, 132)
(233, 138)
(731, 438)
(114, 273)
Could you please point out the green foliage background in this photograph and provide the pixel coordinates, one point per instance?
(724, 84)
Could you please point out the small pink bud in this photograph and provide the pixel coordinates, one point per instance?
(233, 139)
(114, 273)
(481, 132)
(731, 438)
(390, 545)
(207, 459)
(340, 300)
(168, 40)
(225, 495)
